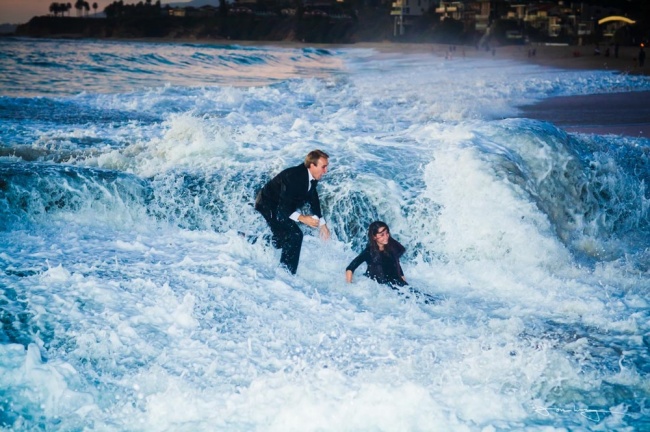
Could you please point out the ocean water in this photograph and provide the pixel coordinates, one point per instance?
(129, 302)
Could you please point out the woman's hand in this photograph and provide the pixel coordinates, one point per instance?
(348, 276)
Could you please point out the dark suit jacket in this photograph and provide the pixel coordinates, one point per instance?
(287, 192)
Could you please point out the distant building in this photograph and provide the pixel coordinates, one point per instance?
(451, 10)
(177, 12)
(487, 11)
(404, 10)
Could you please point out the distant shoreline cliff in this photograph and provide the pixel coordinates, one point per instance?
(366, 25)
(346, 22)
(239, 27)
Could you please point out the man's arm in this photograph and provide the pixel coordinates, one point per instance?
(312, 221)
(324, 233)
(289, 196)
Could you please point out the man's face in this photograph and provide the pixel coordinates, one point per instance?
(319, 169)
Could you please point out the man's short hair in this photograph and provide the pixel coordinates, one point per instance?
(313, 156)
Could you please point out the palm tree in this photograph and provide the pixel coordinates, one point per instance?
(86, 7)
(68, 6)
(57, 8)
(95, 6)
(79, 5)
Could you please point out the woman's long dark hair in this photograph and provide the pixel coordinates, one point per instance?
(393, 247)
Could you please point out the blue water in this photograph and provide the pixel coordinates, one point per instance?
(128, 301)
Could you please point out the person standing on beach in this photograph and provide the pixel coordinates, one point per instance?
(280, 200)
(641, 57)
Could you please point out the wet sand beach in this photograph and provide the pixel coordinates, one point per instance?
(615, 113)
(626, 113)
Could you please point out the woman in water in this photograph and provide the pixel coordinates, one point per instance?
(382, 257)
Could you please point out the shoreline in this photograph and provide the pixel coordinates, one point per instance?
(551, 55)
(558, 56)
(625, 113)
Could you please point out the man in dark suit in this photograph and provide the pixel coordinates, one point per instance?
(283, 196)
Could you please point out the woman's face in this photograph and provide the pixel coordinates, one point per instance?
(382, 236)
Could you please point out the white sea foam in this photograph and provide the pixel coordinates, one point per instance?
(131, 302)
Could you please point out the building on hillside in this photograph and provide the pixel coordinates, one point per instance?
(177, 12)
(189, 11)
(517, 11)
(594, 17)
(273, 3)
(451, 10)
(487, 11)
(568, 21)
(537, 17)
(405, 10)
(462, 11)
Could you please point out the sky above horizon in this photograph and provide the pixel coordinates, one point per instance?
(21, 11)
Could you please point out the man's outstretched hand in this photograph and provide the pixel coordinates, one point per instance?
(324, 232)
(309, 220)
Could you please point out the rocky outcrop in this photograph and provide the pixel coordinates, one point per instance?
(236, 27)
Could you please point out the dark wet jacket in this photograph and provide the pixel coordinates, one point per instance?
(383, 266)
(287, 192)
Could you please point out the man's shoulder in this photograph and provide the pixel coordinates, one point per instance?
(295, 170)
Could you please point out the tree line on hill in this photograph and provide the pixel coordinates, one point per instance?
(343, 22)
(148, 19)
(82, 7)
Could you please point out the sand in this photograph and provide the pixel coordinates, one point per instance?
(615, 113)
(625, 113)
